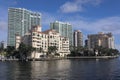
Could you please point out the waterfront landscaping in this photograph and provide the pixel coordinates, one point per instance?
(22, 53)
(98, 51)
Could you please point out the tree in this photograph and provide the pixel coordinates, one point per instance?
(29, 50)
(2, 51)
(102, 51)
(52, 49)
(10, 51)
(24, 51)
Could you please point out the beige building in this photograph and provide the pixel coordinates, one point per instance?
(38, 39)
(77, 38)
(101, 39)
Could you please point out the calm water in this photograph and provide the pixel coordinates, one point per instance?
(74, 69)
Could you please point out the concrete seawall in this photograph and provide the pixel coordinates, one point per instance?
(92, 57)
(60, 58)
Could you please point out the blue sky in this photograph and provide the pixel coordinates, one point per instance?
(89, 16)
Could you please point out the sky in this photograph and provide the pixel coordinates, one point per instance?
(88, 16)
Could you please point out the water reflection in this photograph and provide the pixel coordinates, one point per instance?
(18, 71)
(91, 69)
(75, 69)
(3, 71)
(50, 69)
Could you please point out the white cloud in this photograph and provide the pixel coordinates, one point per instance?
(110, 24)
(77, 5)
(70, 7)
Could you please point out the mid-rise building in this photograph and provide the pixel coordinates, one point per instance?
(65, 29)
(101, 39)
(45, 39)
(77, 38)
(20, 21)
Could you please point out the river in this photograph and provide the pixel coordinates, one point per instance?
(69, 69)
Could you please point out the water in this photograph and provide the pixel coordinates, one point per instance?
(73, 69)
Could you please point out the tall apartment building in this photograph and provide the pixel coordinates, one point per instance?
(77, 38)
(20, 21)
(101, 39)
(37, 39)
(65, 29)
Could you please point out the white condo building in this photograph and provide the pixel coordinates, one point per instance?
(45, 39)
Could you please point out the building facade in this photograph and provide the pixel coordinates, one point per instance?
(65, 29)
(101, 39)
(20, 21)
(77, 38)
(38, 39)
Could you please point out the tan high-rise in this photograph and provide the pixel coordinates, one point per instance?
(105, 40)
(77, 38)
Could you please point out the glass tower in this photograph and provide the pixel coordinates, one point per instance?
(20, 21)
(65, 29)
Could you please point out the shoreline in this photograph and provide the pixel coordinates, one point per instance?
(93, 57)
(61, 58)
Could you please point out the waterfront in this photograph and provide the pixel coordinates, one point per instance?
(69, 69)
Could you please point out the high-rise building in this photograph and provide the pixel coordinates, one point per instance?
(101, 39)
(65, 29)
(77, 38)
(20, 21)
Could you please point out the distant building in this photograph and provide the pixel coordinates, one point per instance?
(65, 29)
(86, 43)
(101, 39)
(20, 21)
(2, 45)
(77, 38)
(38, 39)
